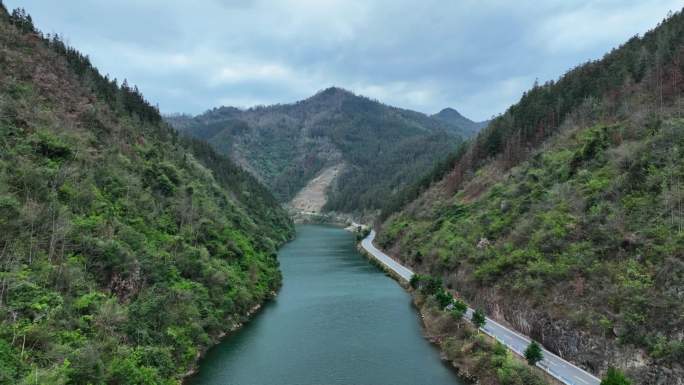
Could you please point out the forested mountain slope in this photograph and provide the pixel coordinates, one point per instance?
(379, 148)
(565, 216)
(124, 250)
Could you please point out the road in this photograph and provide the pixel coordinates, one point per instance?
(402, 271)
(557, 367)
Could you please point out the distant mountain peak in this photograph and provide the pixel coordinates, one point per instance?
(331, 97)
(336, 89)
(289, 145)
(455, 119)
(450, 111)
(333, 92)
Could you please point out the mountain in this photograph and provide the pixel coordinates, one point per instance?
(350, 152)
(125, 250)
(565, 216)
(459, 123)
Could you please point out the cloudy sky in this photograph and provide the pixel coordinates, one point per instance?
(477, 56)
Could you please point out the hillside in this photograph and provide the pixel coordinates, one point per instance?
(378, 148)
(565, 216)
(124, 249)
(459, 123)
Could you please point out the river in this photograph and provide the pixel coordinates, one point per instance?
(337, 320)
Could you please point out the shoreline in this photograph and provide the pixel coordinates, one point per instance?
(236, 326)
(444, 332)
(463, 368)
(389, 272)
(462, 373)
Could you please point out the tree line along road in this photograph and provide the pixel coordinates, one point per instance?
(557, 367)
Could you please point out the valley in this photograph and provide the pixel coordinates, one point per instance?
(143, 246)
(288, 146)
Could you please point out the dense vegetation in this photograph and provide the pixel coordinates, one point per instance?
(124, 250)
(412, 191)
(382, 148)
(566, 214)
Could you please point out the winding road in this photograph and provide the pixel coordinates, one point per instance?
(557, 367)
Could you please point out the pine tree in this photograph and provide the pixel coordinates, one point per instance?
(533, 353)
(479, 318)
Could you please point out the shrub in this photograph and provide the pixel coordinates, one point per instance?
(615, 377)
(51, 146)
(431, 285)
(128, 371)
(460, 306)
(10, 365)
(362, 233)
(415, 281)
(457, 313)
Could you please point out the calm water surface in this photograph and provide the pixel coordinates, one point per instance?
(337, 320)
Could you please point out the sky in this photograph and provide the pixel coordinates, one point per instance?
(477, 56)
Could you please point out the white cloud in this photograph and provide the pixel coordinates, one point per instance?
(235, 73)
(597, 24)
(410, 95)
(475, 56)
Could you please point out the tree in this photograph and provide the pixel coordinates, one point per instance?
(460, 305)
(615, 377)
(533, 353)
(478, 318)
(459, 309)
(22, 20)
(431, 285)
(443, 298)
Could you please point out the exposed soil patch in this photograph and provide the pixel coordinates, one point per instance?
(312, 197)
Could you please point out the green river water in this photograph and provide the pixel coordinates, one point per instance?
(337, 320)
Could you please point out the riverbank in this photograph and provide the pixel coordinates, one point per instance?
(309, 217)
(235, 326)
(388, 271)
(478, 358)
(301, 218)
(236, 323)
